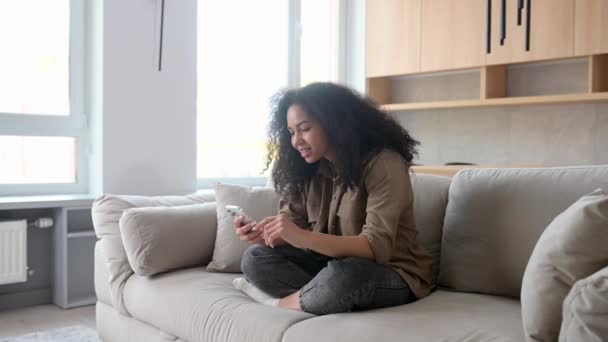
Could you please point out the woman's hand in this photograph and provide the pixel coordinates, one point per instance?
(245, 232)
(279, 229)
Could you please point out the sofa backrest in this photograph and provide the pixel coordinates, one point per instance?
(106, 213)
(430, 200)
(494, 218)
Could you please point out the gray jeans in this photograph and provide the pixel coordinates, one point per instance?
(327, 285)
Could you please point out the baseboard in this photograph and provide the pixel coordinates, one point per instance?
(26, 298)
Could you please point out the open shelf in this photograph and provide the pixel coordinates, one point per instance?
(489, 86)
(496, 102)
(80, 266)
(74, 241)
(79, 220)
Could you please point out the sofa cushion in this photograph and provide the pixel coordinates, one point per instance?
(442, 316)
(196, 305)
(106, 213)
(495, 216)
(430, 200)
(585, 310)
(158, 239)
(571, 248)
(257, 202)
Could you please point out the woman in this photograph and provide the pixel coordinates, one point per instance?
(345, 237)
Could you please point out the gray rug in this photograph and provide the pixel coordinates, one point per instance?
(76, 333)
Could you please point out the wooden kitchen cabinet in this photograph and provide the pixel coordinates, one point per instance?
(429, 37)
(551, 31)
(453, 34)
(393, 37)
(590, 27)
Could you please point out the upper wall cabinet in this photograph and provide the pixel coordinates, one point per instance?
(453, 34)
(392, 37)
(526, 30)
(591, 27)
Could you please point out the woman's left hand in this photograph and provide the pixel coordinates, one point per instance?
(280, 227)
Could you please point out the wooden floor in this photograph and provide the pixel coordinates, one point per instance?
(44, 317)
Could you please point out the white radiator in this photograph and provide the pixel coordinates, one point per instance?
(13, 251)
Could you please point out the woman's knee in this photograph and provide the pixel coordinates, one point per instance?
(250, 261)
(348, 272)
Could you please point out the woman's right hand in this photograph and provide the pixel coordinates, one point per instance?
(245, 232)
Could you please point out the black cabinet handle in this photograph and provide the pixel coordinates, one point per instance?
(160, 45)
(503, 22)
(528, 24)
(520, 6)
(489, 28)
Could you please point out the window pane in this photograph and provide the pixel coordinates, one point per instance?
(242, 62)
(319, 42)
(27, 160)
(34, 63)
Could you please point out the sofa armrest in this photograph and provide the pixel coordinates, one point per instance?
(107, 211)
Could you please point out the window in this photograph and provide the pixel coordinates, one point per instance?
(244, 57)
(29, 160)
(319, 42)
(42, 122)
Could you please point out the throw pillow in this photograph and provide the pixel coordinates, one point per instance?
(257, 202)
(572, 247)
(159, 239)
(586, 310)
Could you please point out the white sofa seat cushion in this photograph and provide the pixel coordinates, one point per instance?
(442, 316)
(113, 326)
(495, 217)
(196, 305)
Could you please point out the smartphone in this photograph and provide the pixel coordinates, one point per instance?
(235, 210)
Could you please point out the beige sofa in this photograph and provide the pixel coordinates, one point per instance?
(481, 226)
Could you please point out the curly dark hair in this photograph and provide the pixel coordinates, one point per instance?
(355, 127)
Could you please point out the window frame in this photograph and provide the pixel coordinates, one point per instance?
(293, 76)
(74, 125)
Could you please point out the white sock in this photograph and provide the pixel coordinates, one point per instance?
(255, 293)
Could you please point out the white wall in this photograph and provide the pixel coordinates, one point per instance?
(94, 95)
(355, 44)
(144, 120)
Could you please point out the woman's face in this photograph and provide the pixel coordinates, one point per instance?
(307, 135)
